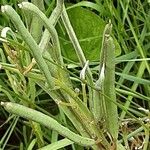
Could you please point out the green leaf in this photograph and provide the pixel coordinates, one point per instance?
(98, 7)
(134, 79)
(89, 30)
(57, 145)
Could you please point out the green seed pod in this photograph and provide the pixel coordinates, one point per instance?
(47, 121)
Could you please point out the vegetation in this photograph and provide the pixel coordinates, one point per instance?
(74, 75)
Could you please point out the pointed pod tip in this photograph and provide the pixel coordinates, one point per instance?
(4, 8)
(23, 4)
(4, 32)
(3, 103)
(20, 5)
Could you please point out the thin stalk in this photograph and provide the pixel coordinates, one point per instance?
(134, 92)
(11, 129)
(79, 52)
(73, 38)
(147, 137)
(126, 92)
(125, 70)
(53, 19)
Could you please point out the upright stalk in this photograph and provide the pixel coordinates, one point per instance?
(53, 19)
(79, 52)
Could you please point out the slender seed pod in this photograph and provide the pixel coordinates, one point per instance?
(99, 109)
(103, 107)
(47, 121)
(109, 88)
(48, 25)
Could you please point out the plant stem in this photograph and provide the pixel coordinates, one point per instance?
(79, 52)
(53, 19)
(147, 137)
